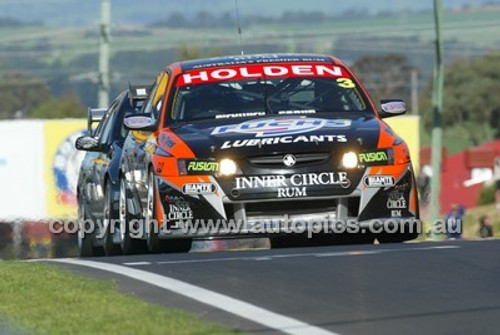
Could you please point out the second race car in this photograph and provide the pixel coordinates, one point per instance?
(97, 188)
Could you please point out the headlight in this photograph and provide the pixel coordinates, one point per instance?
(227, 167)
(350, 160)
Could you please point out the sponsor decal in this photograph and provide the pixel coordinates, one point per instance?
(260, 71)
(199, 188)
(281, 126)
(237, 115)
(379, 181)
(166, 140)
(173, 199)
(198, 166)
(396, 213)
(298, 111)
(295, 185)
(374, 158)
(260, 142)
(179, 211)
(396, 200)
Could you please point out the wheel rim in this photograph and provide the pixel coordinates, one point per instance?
(106, 221)
(81, 218)
(122, 204)
(150, 208)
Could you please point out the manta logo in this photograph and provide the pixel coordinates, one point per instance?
(281, 126)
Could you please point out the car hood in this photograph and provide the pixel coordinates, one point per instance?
(280, 134)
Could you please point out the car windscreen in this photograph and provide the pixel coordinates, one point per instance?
(260, 90)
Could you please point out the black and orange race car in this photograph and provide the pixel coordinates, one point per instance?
(261, 145)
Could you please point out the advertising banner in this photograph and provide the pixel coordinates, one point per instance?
(22, 189)
(408, 127)
(61, 166)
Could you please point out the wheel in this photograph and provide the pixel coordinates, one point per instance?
(128, 244)
(152, 240)
(109, 222)
(85, 235)
(154, 243)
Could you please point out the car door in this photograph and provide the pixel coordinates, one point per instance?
(101, 161)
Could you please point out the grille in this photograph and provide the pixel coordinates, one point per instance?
(295, 207)
(301, 160)
(290, 207)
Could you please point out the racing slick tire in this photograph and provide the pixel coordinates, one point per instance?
(152, 239)
(128, 244)
(110, 248)
(85, 237)
(154, 243)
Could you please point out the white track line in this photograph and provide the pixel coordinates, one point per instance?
(314, 254)
(234, 306)
(136, 263)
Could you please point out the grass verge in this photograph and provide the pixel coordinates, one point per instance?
(47, 300)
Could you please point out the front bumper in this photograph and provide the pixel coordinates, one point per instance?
(222, 215)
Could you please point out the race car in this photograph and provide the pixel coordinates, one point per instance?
(264, 142)
(97, 188)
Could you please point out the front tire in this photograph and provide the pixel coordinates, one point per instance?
(128, 244)
(154, 243)
(110, 248)
(85, 236)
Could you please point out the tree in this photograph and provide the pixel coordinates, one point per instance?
(471, 98)
(20, 93)
(385, 76)
(67, 106)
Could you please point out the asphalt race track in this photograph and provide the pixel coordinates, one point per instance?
(414, 288)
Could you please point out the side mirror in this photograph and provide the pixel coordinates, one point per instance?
(139, 122)
(392, 107)
(87, 143)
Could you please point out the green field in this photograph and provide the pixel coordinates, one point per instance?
(477, 29)
(43, 299)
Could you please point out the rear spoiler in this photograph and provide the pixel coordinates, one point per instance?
(138, 92)
(94, 115)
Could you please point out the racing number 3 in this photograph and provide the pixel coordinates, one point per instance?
(345, 83)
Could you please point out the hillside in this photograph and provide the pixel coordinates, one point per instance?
(76, 12)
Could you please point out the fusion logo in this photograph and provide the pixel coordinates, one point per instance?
(281, 126)
(373, 157)
(202, 166)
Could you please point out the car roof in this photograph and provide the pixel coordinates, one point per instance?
(254, 59)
